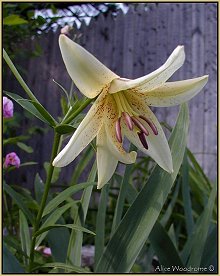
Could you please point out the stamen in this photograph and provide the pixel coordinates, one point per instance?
(118, 130)
(151, 124)
(140, 126)
(143, 139)
(128, 120)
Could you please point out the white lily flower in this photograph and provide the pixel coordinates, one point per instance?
(122, 109)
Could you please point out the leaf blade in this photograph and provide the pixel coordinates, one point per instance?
(138, 222)
(65, 194)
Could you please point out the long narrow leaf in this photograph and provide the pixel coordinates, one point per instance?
(70, 226)
(100, 224)
(69, 268)
(51, 220)
(210, 251)
(45, 113)
(171, 205)
(76, 238)
(133, 231)
(81, 165)
(10, 263)
(121, 197)
(201, 231)
(64, 195)
(11, 242)
(27, 105)
(19, 201)
(59, 246)
(186, 196)
(164, 247)
(24, 233)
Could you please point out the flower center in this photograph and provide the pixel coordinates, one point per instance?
(132, 119)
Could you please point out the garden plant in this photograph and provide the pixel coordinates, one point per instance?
(157, 213)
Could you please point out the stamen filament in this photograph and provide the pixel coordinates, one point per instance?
(118, 103)
(122, 102)
(150, 123)
(140, 126)
(143, 139)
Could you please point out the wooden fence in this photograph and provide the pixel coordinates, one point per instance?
(133, 45)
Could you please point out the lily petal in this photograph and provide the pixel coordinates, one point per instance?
(106, 162)
(174, 93)
(154, 79)
(114, 146)
(87, 72)
(84, 134)
(158, 147)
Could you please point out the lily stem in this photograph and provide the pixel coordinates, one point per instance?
(44, 197)
(18, 76)
(10, 227)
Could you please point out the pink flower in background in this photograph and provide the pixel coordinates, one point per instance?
(8, 108)
(47, 251)
(12, 159)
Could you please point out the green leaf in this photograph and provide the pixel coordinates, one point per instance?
(38, 188)
(211, 248)
(27, 105)
(51, 220)
(164, 247)
(198, 167)
(10, 263)
(64, 195)
(69, 268)
(14, 140)
(64, 129)
(80, 167)
(24, 233)
(14, 19)
(76, 238)
(70, 226)
(19, 201)
(131, 193)
(22, 165)
(169, 210)
(24, 147)
(133, 231)
(45, 113)
(121, 197)
(186, 196)
(100, 224)
(59, 246)
(12, 242)
(201, 231)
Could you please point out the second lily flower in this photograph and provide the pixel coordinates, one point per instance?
(122, 109)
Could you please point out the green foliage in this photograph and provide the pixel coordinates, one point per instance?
(144, 212)
(10, 263)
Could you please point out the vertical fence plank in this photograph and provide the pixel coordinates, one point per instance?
(210, 94)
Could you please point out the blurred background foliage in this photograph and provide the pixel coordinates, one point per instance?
(23, 21)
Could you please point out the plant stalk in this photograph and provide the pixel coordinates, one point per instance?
(18, 76)
(44, 197)
(77, 112)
